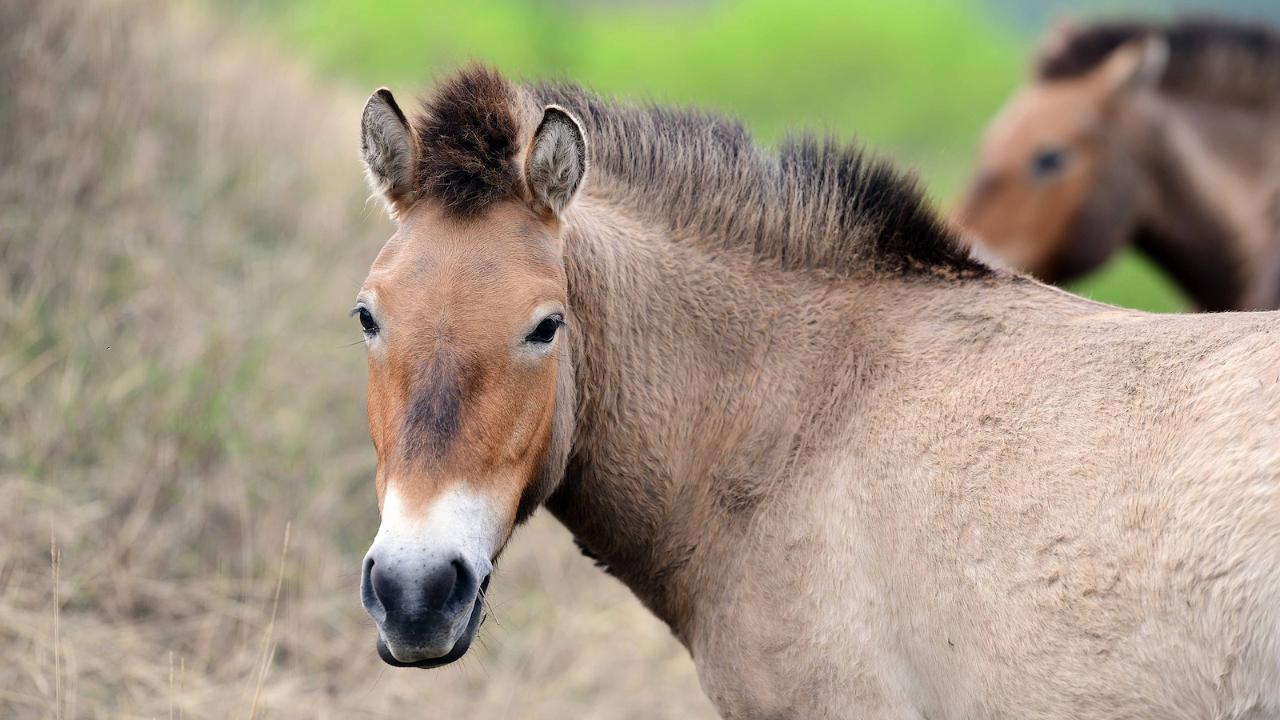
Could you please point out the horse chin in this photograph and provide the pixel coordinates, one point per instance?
(459, 648)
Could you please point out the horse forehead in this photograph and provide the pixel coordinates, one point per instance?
(502, 227)
(456, 281)
(433, 251)
(1043, 112)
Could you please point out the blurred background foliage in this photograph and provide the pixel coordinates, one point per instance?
(915, 79)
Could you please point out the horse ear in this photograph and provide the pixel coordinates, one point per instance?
(1060, 34)
(557, 161)
(388, 149)
(1136, 65)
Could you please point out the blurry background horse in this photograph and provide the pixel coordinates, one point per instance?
(182, 221)
(1166, 137)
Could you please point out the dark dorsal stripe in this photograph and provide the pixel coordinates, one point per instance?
(1208, 57)
(815, 204)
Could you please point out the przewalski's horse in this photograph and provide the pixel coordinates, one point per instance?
(857, 473)
(1165, 137)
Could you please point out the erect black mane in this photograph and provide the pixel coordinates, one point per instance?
(814, 204)
(1208, 57)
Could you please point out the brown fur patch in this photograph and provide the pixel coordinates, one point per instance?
(469, 139)
(1208, 57)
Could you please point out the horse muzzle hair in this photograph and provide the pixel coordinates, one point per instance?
(424, 579)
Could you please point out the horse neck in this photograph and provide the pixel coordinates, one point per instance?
(703, 381)
(1202, 218)
(691, 377)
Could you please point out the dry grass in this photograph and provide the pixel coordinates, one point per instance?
(182, 227)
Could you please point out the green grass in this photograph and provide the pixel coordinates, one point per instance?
(914, 79)
(1130, 280)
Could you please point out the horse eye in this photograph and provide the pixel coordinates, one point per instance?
(545, 332)
(366, 321)
(1048, 161)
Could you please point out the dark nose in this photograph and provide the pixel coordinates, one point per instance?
(411, 593)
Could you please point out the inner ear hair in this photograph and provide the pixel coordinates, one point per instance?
(388, 148)
(557, 161)
(1137, 64)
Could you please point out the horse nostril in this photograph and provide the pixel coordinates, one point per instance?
(369, 593)
(384, 587)
(464, 591)
(442, 583)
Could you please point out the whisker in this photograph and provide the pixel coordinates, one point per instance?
(487, 608)
(377, 679)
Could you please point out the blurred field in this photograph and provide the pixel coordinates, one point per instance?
(183, 225)
(872, 69)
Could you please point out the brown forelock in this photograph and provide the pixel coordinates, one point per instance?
(1210, 58)
(816, 204)
(450, 399)
(469, 138)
